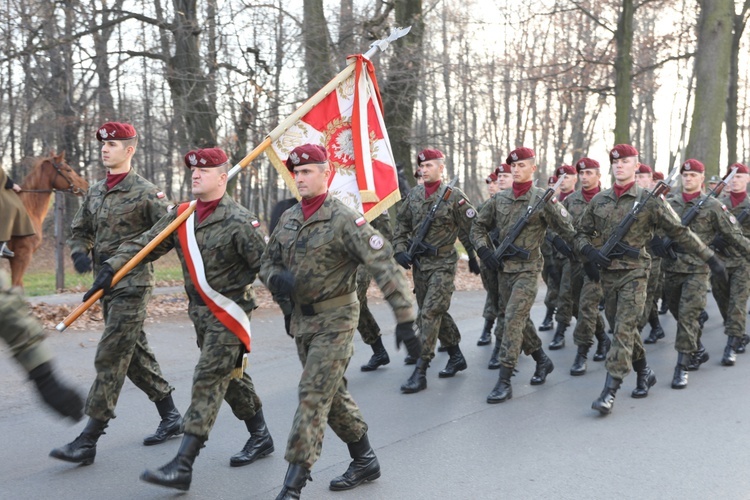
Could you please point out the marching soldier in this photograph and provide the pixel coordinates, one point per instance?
(312, 258)
(549, 275)
(732, 296)
(15, 220)
(115, 210)
(518, 277)
(624, 278)
(435, 272)
(25, 338)
(585, 294)
(489, 277)
(686, 277)
(219, 247)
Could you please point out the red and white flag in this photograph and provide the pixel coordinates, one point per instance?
(349, 124)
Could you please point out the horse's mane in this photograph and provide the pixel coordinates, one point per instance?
(34, 177)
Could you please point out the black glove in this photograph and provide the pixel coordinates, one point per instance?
(282, 283)
(658, 248)
(592, 271)
(720, 244)
(718, 268)
(81, 262)
(561, 246)
(595, 256)
(405, 334)
(288, 324)
(553, 273)
(59, 397)
(489, 259)
(103, 281)
(474, 265)
(403, 259)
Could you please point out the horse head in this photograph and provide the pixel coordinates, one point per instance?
(64, 178)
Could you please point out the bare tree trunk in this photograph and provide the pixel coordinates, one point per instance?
(317, 47)
(623, 72)
(734, 77)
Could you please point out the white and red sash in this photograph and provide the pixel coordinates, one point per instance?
(226, 310)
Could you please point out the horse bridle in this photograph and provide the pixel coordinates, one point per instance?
(72, 188)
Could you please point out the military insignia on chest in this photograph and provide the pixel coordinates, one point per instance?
(292, 226)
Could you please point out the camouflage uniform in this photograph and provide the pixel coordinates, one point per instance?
(367, 326)
(435, 276)
(550, 279)
(517, 280)
(489, 281)
(323, 253)
(624, 282)
(104, 221)
(231, 248)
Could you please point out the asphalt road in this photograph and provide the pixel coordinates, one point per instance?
(445, 442)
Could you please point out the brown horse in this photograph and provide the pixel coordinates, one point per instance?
(48, 174)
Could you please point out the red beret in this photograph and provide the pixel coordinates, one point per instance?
(551, 180)
(492, 177)
(429, 154)
(304, 154)
(586, 163)
(115, 131)
(658, 176)
(520, 154)
(644, 169)
(622, 151)
(205, 158)
(692, 165)
(565, 169)
(741, 169)
(503, 169)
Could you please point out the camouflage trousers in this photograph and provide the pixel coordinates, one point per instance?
(367, 326)
(22, 333)
(518, 292)
(686, 298)
(492, 301)
(585, 296)
(323, 396)
(124, 351)
(624, 298)
(434, 289)
(565, 306)
(553, 285)
(732, 299)
(653, 293)
(212, 382)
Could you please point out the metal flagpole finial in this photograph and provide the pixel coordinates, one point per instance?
(383, 44)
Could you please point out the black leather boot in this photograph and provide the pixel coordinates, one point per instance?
(502, 391)
(364, 466)
(579, 364)
(729, 358)
(486, 336)
(697, 358)
(178, 473)
(740, 349)
(494, 363)
(83, 448)
(456, 363)
(547, 324)
(602, 346)
(170, 425)
(606, 400)
(558, 341)
(544, 367)
(379, 357)
(680, 379)
(410, 360)
(656, 333)
(58, 396)
(418, 380)
(646, 378)
(295, 480)
(702, 318)
(258, 446)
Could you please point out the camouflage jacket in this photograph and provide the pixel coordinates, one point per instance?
(106, 219)
(231, 246)
(383, 224)
(713, 218)
(503, 210)
(323, 253)
(605, 212)
(452, 220)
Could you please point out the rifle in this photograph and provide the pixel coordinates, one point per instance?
(507, 247)
(417, 245)
(614, 247)
(691, 214)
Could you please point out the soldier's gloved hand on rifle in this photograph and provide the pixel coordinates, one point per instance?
(61, 398)
(103, 281)
(282, 283)
(474, 265)
(403, 260)
(81, 262)
(288, 324)
(592, 271)
(657, 247)
(718, 268)
(561, 246)
(595, 256)
(720, 244)
(489, 258)
(405, 334)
